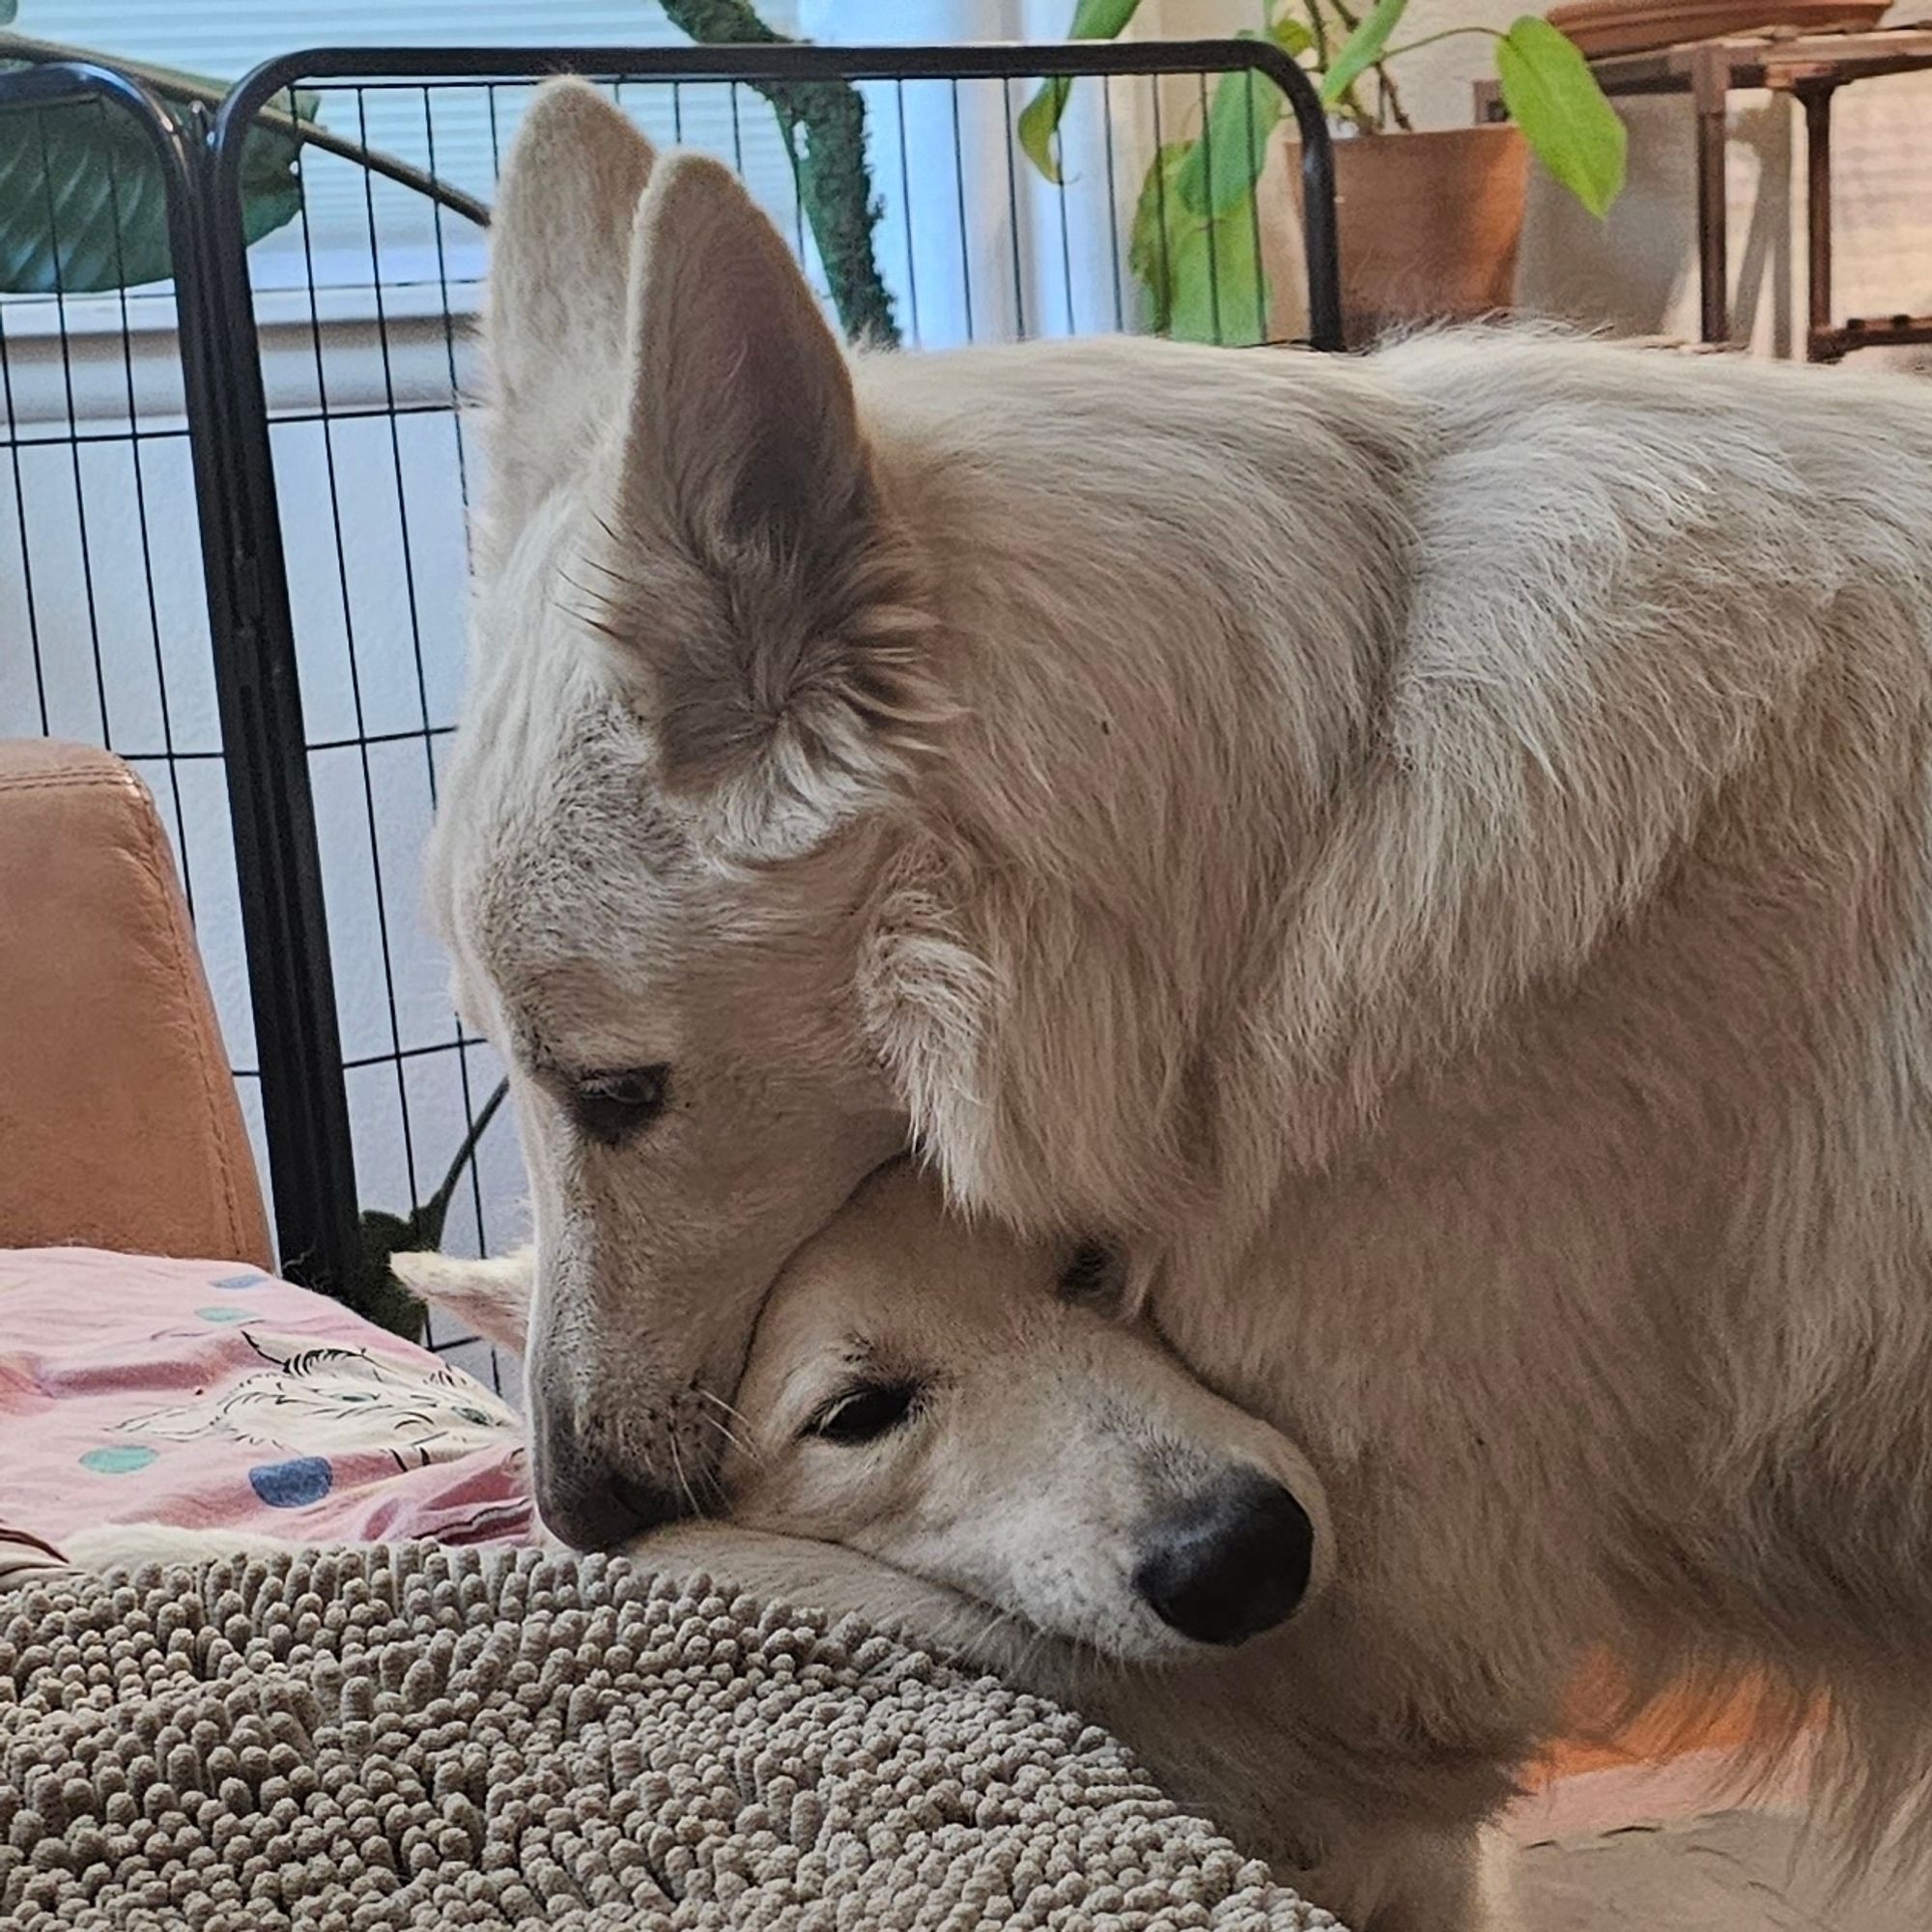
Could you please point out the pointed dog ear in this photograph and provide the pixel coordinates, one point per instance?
(560, 268)
(746, 421)
(491, 1298)
(771, 609)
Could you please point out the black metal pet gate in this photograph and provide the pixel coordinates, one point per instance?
(247, 496)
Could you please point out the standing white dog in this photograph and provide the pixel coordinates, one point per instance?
(1426, 854)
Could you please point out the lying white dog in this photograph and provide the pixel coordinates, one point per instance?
(1014, 1474)
(967, 1410)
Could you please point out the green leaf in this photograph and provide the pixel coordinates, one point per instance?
(9, 11)
(1224, 164)
(1040, 119)
(1102, 20)
(1203, 274)
(1553, 96)
(1362, 49)
(1292, 36)
(1039, 123)
(83, 205)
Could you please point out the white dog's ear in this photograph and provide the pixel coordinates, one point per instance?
(747, 428)
(777, 623)
(490, 1297)
(556, 324)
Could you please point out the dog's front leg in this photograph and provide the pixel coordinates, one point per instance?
(840, 1582)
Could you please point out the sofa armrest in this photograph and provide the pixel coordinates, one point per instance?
(119, 1122)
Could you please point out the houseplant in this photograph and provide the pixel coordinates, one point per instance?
(82, 208)
(1428, 221)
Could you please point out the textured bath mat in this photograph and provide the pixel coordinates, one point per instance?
(429, 1738)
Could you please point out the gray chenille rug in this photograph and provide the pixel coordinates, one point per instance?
(432, 1738)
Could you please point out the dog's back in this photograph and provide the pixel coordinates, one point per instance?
(1605, 1016)
(1519, 746)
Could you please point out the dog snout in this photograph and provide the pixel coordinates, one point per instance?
(1232, 1562)
(589, 1503)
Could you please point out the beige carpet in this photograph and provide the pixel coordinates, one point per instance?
(1612, 1850)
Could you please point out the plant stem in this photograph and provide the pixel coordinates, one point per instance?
(437, 1204)
(1430, 40)
(824, 127)
(1317, 26)
(1388, 105)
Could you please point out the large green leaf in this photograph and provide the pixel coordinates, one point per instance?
(1203, 273)
(1362, 49)
(1553, 96)
(1224, 164)
(1040, 119)
(83, 205)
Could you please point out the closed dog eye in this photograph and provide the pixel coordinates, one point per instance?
(612, 1107)
(864, 1414)
(1093, 1277)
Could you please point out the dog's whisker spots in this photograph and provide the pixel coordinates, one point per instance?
(717, 1401)
(730, 1436)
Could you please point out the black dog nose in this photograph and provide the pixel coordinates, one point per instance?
(1233, 1563)
(590, 1505)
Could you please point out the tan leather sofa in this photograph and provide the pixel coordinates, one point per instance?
(119, 1122)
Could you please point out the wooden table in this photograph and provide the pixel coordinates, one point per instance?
(1812, 68)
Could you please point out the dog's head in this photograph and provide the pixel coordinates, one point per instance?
(973, 1408)
(969, 1409)
(697, 682)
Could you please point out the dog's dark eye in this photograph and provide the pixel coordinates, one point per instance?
(1093, 1275)
(612, 1107)
(864, 1414)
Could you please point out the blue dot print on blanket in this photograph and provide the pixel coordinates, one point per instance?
(237, 1282)
(118, 1459)
(292, 1485)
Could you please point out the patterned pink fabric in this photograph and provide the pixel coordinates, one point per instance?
(209, 1395)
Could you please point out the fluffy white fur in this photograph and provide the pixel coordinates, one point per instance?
(1047, 1443)
(1426, 853)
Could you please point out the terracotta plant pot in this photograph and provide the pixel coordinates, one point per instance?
(1430, 225)
(1429, 228)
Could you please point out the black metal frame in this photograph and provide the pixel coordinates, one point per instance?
(290, 989)
(271, 804)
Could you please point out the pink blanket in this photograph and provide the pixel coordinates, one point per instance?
(210, 1395)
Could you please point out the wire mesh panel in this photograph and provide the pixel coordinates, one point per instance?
(999, 201)
(105, 636)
